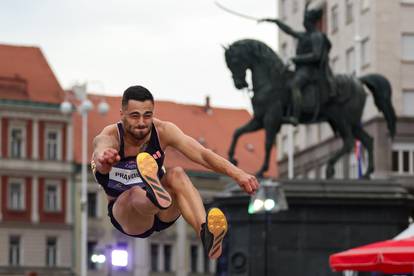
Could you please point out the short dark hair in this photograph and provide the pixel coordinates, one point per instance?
(137, 93)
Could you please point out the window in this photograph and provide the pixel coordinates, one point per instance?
(17, 143)
(334, 19)
(16, 194)
(53, 143)
(365, 52)
(405, 161)
(350, 61)
(167, 258)
(14, 250)
(51, 251)
(407, 47)
(91, 250)
(154, 257)
(408, 100)
(92, 205)
(52, 196)
(349, 15)
(294, 6)
(402, 157)
(194, 258)
(283, 9)
(395, 161)
(364, 5)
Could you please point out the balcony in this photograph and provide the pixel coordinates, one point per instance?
(35, 166)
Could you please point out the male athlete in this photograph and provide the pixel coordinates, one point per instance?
(142, 197)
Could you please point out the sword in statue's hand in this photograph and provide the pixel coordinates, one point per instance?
(236, 13)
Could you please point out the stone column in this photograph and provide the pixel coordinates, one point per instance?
(35, 199)
(35, 140)
(181, 248)
(69, 142)
(69, 211)
(141, 257)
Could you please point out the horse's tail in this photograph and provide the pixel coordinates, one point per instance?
(381, 89)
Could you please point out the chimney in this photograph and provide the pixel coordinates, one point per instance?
(207, 106)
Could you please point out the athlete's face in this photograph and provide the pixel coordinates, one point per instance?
(137, 118)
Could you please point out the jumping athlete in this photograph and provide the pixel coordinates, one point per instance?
(143, 197)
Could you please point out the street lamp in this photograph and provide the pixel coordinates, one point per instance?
(84, 107)
(270, 198)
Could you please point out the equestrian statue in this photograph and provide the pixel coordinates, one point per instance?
(309, 94)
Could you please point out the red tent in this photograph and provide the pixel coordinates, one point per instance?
(391, 256)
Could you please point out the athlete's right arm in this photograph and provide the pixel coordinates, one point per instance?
(106, 146)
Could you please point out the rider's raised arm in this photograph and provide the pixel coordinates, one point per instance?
(285, 28)
(317, 50)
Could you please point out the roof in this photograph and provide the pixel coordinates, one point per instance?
(26, 75)
(214, 130)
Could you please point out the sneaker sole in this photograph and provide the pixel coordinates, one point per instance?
(148, 168)
(217, 226)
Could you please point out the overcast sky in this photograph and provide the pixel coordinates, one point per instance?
(170, 46)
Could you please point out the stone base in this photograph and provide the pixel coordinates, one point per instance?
(324, 217)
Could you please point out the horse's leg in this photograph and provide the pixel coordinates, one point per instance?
(344, 131)
(368, 142)
(272, 124)
(253, 125)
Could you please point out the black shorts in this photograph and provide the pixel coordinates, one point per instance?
(157, 226)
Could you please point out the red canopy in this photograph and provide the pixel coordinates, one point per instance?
(391, 256)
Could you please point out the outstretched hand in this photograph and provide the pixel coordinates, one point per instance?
(106, 159)
(248, 183)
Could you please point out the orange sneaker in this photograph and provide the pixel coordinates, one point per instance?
(213, 232)
(148, 169)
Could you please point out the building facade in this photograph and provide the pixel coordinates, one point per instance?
(367, 37)
(36, 221)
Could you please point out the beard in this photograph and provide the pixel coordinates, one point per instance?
(139, 132)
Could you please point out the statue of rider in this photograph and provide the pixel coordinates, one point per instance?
(311, 60)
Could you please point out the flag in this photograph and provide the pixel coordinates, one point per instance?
(358, 157)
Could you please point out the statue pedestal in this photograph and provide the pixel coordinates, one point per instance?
(324, 217)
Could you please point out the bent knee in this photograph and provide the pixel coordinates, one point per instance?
(139, 201)
(176, 177)
(176, 172)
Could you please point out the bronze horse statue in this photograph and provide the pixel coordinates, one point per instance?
(271, 102)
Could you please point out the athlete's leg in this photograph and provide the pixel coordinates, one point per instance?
(186, 199)
(134, 211)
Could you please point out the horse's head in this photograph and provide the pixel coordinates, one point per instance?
(237, 63)
(254, 55)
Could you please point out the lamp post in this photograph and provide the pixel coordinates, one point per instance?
(84, 107)
(270, 198)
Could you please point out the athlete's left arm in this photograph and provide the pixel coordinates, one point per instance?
(177, 139)
(317, 50)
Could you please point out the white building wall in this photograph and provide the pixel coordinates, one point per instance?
(33, 246)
